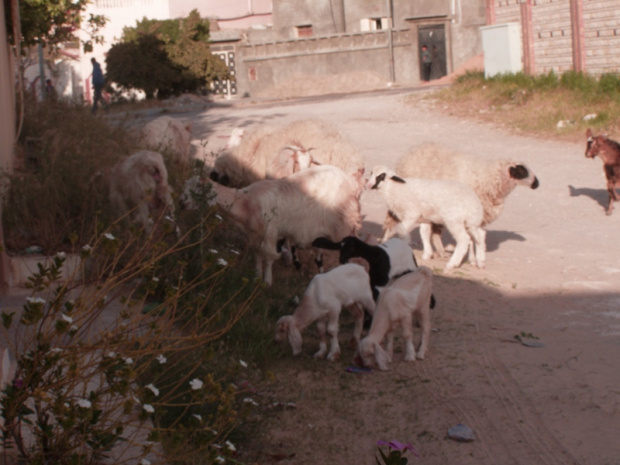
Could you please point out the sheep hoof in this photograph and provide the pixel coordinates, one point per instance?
(333, 357)
(427, 256)
(319, 354)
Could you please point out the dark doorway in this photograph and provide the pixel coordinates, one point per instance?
(434, 38)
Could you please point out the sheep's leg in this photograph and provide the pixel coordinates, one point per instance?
(425, 235)
(332, 332)
(479, 236)
(259, 267)
(462, 238)
(436, 239)
(425, 325)
(612, 197)
(389, 345)
(320, 326)
(407, 325)
(358, 315)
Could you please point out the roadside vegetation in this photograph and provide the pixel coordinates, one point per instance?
(548, 105)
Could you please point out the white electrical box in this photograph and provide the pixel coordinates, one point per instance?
(503, 51)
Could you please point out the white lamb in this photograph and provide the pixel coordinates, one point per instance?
(320, 201)
(404, 302)
(139, 184)
(344, 286)
(492, 180)
(254, 157)
(412, 202)
(169, 135)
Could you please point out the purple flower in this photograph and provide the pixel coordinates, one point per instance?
(399, 446)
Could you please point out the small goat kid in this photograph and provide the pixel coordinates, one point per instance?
(401, 304)
(609, 151)
(344, 286)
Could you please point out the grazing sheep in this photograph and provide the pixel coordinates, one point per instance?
(414, 201)
(255, 157)
(386, 261)
(168, 135)
(609, 151)
(344, 286)
(405, 301)
(491, 180)
(139, 183)
(319, 201)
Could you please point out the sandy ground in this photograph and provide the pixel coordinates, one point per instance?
(552, 277)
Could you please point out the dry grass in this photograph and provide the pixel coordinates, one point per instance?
(546, 106)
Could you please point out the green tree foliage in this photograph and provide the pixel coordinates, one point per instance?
(52, 22)
(165, 57)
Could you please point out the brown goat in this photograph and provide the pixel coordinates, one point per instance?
(609, 151)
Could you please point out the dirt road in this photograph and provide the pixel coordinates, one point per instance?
(552, 276)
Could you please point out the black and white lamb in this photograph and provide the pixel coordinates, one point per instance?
(412, 202)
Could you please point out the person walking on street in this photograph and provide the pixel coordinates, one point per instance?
(427, 62)
(98, 82)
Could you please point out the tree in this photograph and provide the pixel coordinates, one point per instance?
(51, 23)
(165, 57)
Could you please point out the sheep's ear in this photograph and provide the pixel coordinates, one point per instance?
(381, 356)
(518, 172)
(589, 133)
(397, 179)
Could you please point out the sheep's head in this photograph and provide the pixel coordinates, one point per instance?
(370, 352)
(523, 176)
(380, 174)
(596, 144)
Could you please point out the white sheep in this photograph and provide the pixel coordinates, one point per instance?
(139, 184)
(319, 201)
(415, 201)
(344, 286)
(404, 302)
(254, 157)
(169, 135)
(492, 180)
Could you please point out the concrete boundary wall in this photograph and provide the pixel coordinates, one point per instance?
(554, 23)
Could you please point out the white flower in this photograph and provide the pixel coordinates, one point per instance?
(145, 462)
(213, 251)
(230, 446)
(161, 359)
(148, 408)
(222, 262)
(111, 354)
(152, 388)
(67, 318)
(154, 278)
(86, 248)
(84, 403)
(73, 329)
(218, 217)
(243, 364)
(197, 416)
(61, 255)
(196, 384)
(220, 459)
(35, 300)
(55, 350)
(109, 236)
(249, 400)
(236, 252)
(128, 360)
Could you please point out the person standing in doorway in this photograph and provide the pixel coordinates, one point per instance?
(98, 83)
(427, 63)
(50, 91)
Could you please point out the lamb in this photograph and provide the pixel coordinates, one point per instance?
(139, 184)
(168, 135)
(413, 201)
(386, 261)
(491, 180)
(254, 158)
(319, 201)
(344, 286)
(401, 304)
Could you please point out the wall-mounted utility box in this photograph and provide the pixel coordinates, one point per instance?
(503, 52)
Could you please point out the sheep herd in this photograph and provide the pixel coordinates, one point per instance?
(301, 184)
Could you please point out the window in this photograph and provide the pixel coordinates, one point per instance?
(374, 24)
(304, 30)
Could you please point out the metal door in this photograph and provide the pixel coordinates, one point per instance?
(434, 38)
(227, 87)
